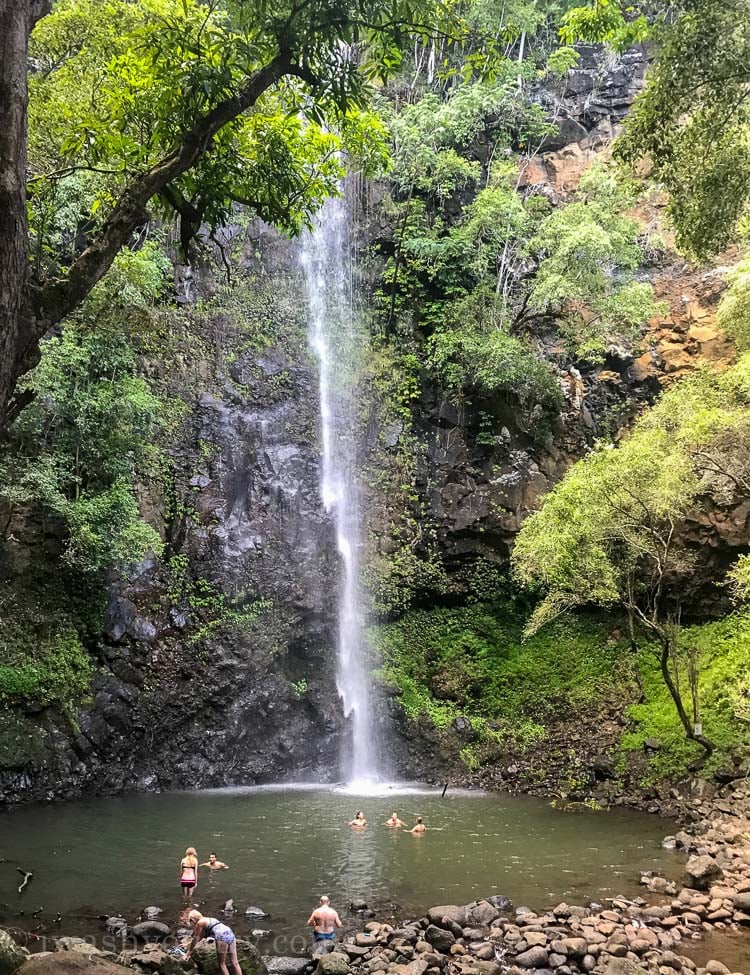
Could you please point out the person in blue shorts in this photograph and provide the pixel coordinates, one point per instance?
(324, 920)
(226, 943)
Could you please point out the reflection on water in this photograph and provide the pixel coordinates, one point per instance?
(285, 847)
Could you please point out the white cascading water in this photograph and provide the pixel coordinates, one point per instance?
(327, 265)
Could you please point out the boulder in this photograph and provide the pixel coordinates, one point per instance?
(535, 957)
(450, 911)
(624, 966)
(150, 931)
(439, 938)
(12, 956)
(742, 902)
(320, 948)
(285, 965)
(205, 957)
(701, 871)
(116, 925)
(481, 914)
(334, 963)
(255, 912)
(151, 913)
(574, 947)
(501, 902)
(71, 963)
(716, 968)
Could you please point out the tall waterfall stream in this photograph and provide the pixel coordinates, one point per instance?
(333, 331)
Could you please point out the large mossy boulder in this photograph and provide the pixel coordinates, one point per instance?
(70, 963)
(250, 959)
(11, 955)
(334, 963)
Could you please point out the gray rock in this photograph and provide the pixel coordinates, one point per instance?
(334, 963)
(535, 957)
(501, 902)
(450, 911)
(285, 965)
(742, 902)
(151, 913)
(624, 966)
(701, 871)
(482, 913)
(116, 925)
(255, 912)
(440, 938)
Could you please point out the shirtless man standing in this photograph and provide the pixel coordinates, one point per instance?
(418, 829)
(324, 920)
(214, 864)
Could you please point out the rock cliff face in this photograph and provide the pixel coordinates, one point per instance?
(219, 668)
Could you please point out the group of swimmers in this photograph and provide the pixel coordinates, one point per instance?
(359, 822)
(189, 870)
(324, 920)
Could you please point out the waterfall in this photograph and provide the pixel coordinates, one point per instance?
(333, 332)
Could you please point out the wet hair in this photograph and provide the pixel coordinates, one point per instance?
(194, 916)
(419, 819)
(325, 899)
(191, 852)
(211, 855)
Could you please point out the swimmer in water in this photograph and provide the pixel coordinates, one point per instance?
(418, 829)
(359, 820)
(224, 939)
(324, 920)
(214, 864)
(189, 872)
(394, 822)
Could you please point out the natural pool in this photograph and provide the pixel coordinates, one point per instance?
(287, 845)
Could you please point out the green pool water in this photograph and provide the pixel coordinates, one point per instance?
(286, 846)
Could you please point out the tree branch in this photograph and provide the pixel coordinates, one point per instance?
(56, 299)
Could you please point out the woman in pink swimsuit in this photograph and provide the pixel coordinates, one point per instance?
(189, 872)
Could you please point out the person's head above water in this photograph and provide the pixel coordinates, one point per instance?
(325, 900)
(194, 916)
(394, 815)
(211, 856)
(360, 814)
(419, 819)
(191, 852)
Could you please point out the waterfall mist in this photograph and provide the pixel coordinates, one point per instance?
(333, 332)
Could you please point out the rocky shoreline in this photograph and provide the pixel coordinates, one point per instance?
(641, 936)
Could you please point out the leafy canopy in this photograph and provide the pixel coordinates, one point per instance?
(606, 534)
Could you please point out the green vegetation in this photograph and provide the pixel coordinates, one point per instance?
(43, 666)
(608, 534)
(694, 107)
(734, 308)
(723, 652)
(473, 661)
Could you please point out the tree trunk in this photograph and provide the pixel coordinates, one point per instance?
(16, 21)
(706, 743)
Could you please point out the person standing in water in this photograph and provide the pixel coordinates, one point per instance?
(226, 943)
(394, 822)
(359, 819)
(324, 920)
(189, 872)
(418, 829)
(213, 864)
